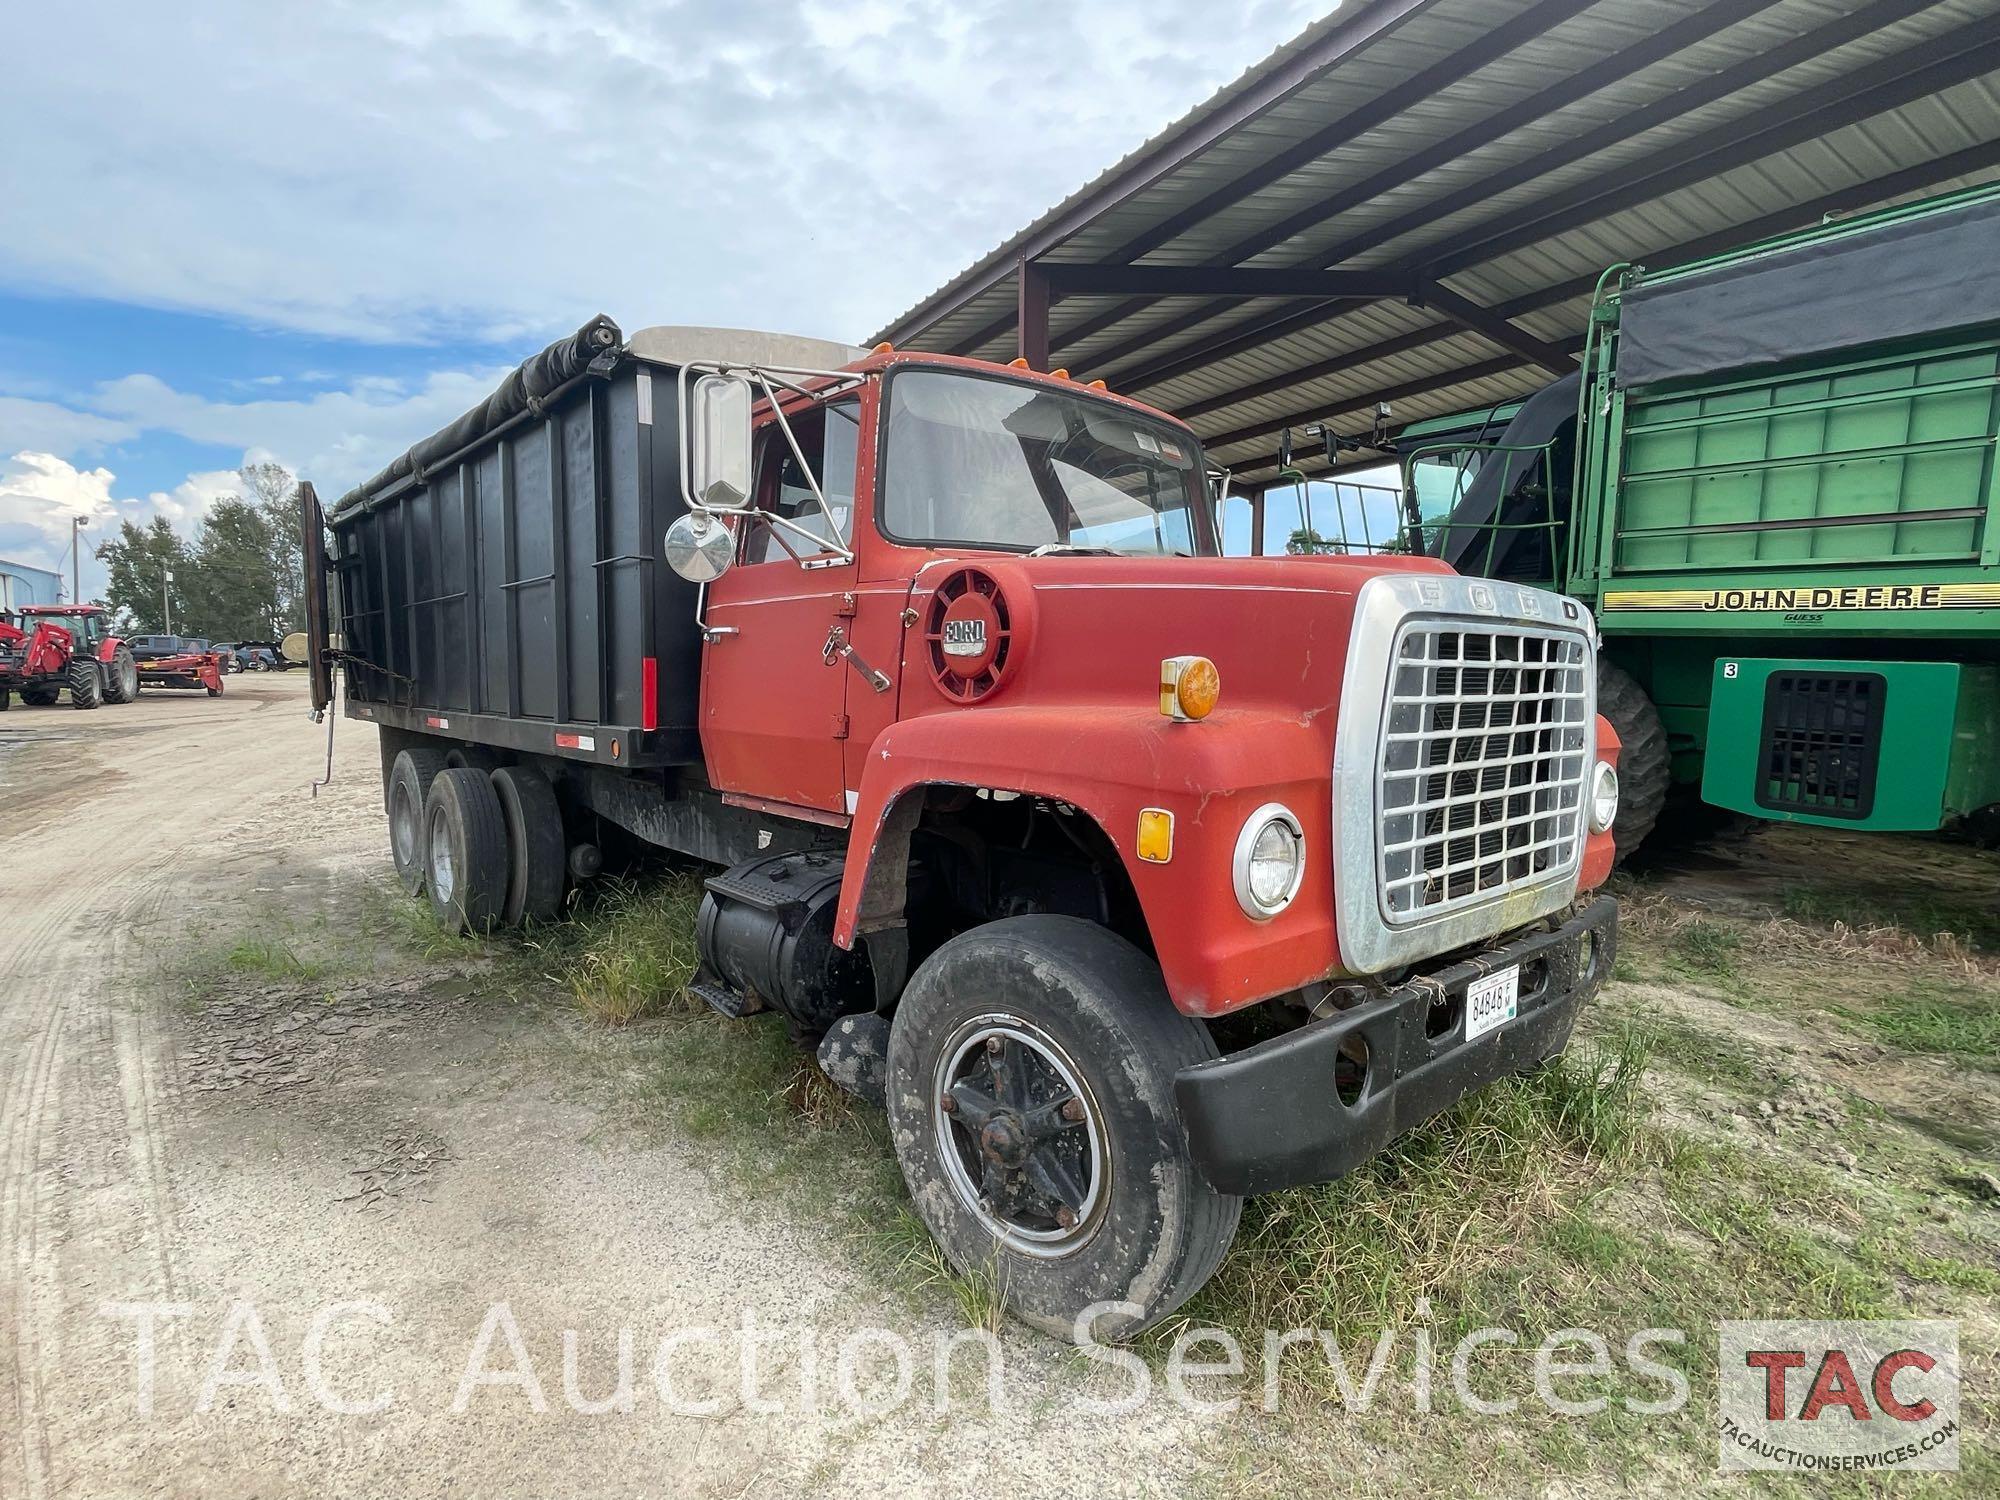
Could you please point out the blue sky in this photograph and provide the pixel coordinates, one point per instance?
(246, 230)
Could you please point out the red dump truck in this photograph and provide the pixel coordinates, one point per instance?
(1132, 878)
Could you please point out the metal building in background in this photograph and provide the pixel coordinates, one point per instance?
(1412, 202)
(21, 584)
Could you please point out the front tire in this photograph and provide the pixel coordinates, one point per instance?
(466, 842)
(410, 778)
(42, 696)
(121, 680)
(1644, 766)
(85, 686)
(1030, 1080)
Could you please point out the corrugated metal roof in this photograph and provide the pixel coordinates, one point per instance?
(1495, 155)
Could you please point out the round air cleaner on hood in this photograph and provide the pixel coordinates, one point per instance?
(968, 635)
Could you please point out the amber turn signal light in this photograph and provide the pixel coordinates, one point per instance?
(1189, 686)
(1156, 835)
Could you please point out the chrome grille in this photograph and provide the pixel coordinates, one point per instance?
(1480, 781)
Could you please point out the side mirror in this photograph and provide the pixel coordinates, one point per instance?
(718, 438)
(700, 548)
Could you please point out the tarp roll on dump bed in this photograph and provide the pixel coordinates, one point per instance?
(537, 378)
(1896, 280)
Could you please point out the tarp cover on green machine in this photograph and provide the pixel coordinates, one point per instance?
(537, 377)
(1900, 279)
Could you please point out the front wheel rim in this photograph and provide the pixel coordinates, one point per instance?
(1020, 1136)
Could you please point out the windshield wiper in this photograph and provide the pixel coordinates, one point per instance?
(1072, 549)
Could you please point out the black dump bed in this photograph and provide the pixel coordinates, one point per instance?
(502, 583)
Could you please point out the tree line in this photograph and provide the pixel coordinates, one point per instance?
(242, 578)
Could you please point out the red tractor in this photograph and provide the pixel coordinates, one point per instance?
(45, 648)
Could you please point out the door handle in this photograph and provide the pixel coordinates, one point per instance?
(837, 648)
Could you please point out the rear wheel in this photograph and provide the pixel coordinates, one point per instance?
(85, 686)
(121, 678)
(6, 699)
(1644, 767)
(472, 757)
(410, 778)
(466, 842)
(1031, 1071)
(537, 850)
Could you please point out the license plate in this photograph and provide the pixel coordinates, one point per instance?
(1492, 1001)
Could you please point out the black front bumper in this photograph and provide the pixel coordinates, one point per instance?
(1271, 1117)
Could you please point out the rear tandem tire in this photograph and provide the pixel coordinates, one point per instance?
(537, 848)
(1020, 1013)
(472, 757)
(121, 679)
(409, 790)
(85, 686)
(466, 839)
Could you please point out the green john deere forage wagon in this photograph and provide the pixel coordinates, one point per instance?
(1773, 479)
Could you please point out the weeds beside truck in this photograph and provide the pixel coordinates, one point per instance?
(1132, 879)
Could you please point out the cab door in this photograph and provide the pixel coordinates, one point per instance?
(774, 683)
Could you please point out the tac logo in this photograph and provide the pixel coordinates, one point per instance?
(1838, 1397)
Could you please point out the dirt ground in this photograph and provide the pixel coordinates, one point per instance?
(326, 1178)
(395, 1146)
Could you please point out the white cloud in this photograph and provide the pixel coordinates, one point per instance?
(41, 495)
(335, 437)
(378, 170)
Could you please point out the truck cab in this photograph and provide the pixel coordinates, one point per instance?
(1130, 878)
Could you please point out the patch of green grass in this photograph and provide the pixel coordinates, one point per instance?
(1440, 1210)
(1589, 1242)
(628, 951)
(1953, 1021)
(273, 958)
(409, 929)
(1708, 1057)
(1707, 948)
(922, 1267)
(1919, 912)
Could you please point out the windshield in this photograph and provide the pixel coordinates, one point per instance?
(1000, 463)
(1441, 479)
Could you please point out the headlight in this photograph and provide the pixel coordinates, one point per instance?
(1270, 861)
(1603, 797)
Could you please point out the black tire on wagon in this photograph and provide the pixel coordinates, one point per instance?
(537, 849)
(465, 838)
(1644, 765)
(1030, 1081)
(408, 790)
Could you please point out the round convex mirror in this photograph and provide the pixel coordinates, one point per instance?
(700, 548)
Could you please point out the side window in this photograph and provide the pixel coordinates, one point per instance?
(829, 438)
